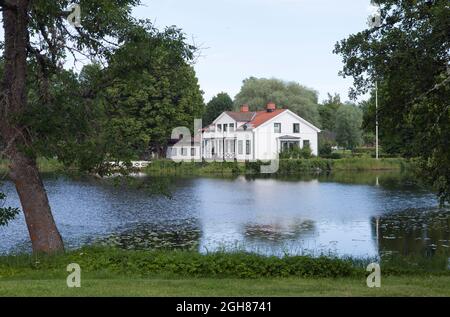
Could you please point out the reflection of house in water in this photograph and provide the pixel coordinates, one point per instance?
(280, 232)
(412, 232)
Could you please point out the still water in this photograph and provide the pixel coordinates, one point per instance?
(357, 214)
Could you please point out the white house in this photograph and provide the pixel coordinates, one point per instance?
(247, 135)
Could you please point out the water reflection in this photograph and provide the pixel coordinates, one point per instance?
(279, 232)
(413, 232)
(342, 214)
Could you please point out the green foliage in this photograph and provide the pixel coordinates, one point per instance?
(218, 104)
(325, 149)
(296, 153)
(257, 92)
(286, 166)
(6, 213)
(291, 167)
(169, 167)
(183, 263)
(170, 264)
(408, 55)
(149, 95)
(328, 110)
(120, 112)
(348, 126)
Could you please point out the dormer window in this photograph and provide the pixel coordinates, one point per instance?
(225, 127)
(219, 127)
(231, 127)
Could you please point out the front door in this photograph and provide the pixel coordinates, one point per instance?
(289, 145)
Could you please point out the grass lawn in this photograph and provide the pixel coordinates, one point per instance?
(122, 286)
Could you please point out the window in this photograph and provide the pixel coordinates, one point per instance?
(219, 127)
(296, 128)
(225, 127)
(193, 151)
(231, 127)
(174, 152)
(183, 151)
(306, 143)
(247, 147)
(240, 147)
(277, 127)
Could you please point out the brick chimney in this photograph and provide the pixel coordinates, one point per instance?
(271, 107)
(244, 108)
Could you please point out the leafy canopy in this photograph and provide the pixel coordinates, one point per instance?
(218, 104)
(409, 56)
(257, 92)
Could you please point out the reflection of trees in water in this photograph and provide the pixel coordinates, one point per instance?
(279, 232)
(183, 235)
(413, 232)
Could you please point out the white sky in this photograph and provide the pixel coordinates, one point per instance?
(287, 39)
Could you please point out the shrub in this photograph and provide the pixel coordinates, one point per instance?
(181, 263)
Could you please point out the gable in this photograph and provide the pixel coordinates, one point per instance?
(224, 115)
(289, 112)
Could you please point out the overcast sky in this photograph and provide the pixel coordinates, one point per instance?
(291, 40)
(288, 39)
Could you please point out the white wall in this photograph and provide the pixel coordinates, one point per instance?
(176, 153)
(264, 142)
(267, 143)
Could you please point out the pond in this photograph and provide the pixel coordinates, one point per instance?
(350, 214)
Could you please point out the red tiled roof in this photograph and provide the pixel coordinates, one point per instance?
(254, 118)
(264, 116)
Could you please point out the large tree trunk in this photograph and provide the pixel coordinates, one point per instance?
(23, 169)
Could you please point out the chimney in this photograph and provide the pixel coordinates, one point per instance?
(271, 107)
(244, 108)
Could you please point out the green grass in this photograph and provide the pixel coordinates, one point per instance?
(115, 272)
(369, 164)
(126, 286)
(44, 165)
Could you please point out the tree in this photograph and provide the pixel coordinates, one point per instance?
(327, 111)
(409, 56)
(153, 93)
(348, 126)
(218, 104)
(257, 92)
(38, 32)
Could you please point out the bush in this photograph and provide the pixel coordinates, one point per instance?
(325, 150)
(335, 156)
(296, 153)
(181, 263)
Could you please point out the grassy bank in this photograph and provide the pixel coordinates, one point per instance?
(126, 286)
(107, 271)
(44, 165)
(286, 167)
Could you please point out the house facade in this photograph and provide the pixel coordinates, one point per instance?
(251, 135)
(258, 135)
